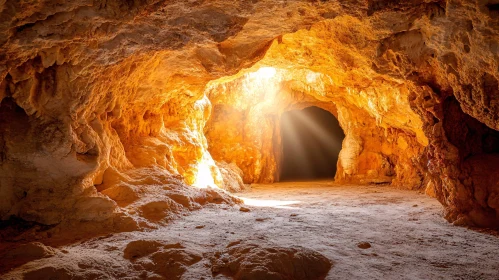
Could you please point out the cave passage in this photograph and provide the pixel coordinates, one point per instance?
(311, 142)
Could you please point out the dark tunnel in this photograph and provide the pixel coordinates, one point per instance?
(311, 142)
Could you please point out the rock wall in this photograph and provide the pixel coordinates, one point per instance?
(104, 102)
(389, 76)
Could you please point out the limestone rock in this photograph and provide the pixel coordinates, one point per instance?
(166, 260)
(23, 254)
(247, 260)
(232, 177)
(104, 103)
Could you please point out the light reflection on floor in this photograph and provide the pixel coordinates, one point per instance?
(284, 204)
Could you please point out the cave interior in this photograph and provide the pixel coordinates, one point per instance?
(261, 139)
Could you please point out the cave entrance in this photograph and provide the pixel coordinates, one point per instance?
(311, 142)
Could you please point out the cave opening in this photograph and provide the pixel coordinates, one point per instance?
(311, 142)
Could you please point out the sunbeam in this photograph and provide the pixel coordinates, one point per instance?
(314, 137)
(289, 131)
(319, 132)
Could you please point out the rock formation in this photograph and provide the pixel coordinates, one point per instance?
(111, 110)
(246, 260)
(167, 260)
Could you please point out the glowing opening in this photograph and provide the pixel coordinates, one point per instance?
(261, 86)
(205, 176)
(263, 73)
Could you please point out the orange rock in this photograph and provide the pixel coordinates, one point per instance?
(154, 94)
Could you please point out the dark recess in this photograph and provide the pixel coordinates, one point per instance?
(307, 154)
(493, 7)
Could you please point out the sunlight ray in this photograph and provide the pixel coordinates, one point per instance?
(289, 130)
(323, 136)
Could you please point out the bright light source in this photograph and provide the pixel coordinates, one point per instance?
(202, 103)
(269, 203)
(263, 73)
(261, 85)
(312, 77)
(204, 176)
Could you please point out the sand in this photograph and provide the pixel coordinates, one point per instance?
(367, 232)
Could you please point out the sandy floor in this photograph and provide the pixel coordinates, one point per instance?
(409, 238)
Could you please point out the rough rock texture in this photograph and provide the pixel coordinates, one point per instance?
(88, 265)
(166, 260)
(93, 91)
(248, 261)
(390, 74)
(232, 177)
(336, 218)
(24, 254)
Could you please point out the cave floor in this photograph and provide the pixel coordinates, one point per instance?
(409, 238)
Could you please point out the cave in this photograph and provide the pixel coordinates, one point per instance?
(311, 142)
(249, 139)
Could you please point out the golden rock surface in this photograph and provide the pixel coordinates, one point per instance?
(110, 109)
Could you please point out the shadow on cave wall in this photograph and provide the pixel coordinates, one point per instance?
(311, 142)
(476, 164)
(470, 136)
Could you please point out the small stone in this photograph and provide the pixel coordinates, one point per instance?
(244, 209)
(415, 205)
(364, 245)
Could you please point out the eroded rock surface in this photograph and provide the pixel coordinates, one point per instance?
(232, 177)
(167, 260)
(13, 257)
(106, 103)
(396, 78)
(247, 260)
